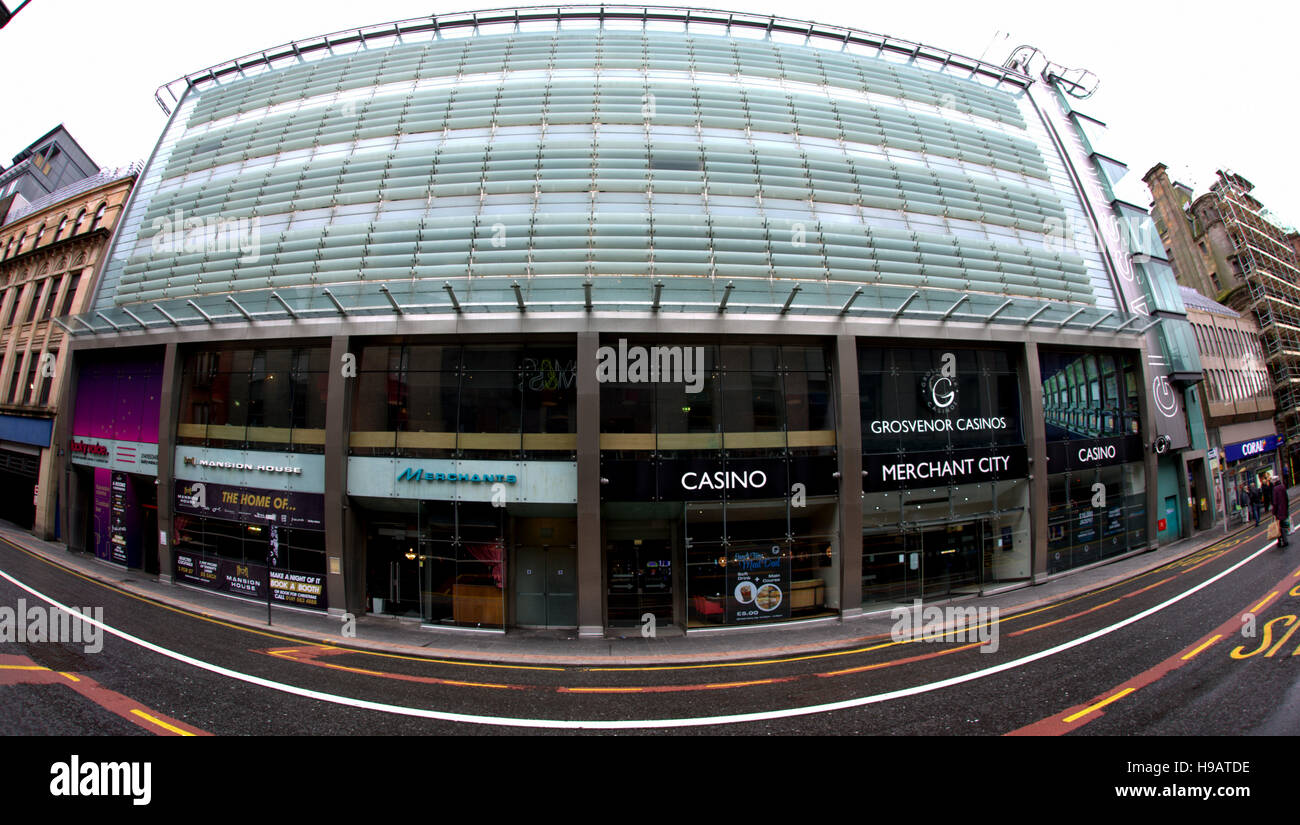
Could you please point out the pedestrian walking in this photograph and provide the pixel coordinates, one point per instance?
(1266, 493)
(1282, 512)
(1254, 504)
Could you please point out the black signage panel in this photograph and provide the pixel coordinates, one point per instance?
(919, 398)
(709, 479)
(714, 480)
(902, 471)
(629, 480)
(816, 473)
(1083, 453)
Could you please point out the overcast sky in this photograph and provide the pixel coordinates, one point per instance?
(1198, 86)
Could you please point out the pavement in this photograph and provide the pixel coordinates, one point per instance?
(405, 636)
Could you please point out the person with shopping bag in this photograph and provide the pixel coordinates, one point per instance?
(1282, 512)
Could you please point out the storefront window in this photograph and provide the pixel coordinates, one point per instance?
(441, 561)
(482, 402)
(1094, 514)
(243, 558)
(945, 509)
(758, 562)
(740, 450)
(266, 399)
(940, 542)
(1096, 481)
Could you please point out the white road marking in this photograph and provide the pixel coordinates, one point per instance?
(566, 724)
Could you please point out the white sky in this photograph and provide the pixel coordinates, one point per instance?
(1182, 83)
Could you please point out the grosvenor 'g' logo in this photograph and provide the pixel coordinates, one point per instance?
(939, 387)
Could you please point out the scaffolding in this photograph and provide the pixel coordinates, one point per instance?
(1270, 269)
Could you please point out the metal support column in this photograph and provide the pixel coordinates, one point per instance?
(591, 603)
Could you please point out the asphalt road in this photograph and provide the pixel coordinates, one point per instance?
(1093, 664)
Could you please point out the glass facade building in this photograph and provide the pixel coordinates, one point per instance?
(603, 318)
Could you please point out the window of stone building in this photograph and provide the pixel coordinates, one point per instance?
(38, 293)
(81, 217)
(49, 299)
(13, 383)
(58, 233)
(13, 307)
(99, 215)
(47, 383)
(70, 295)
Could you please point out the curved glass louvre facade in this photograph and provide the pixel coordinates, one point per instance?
(494, 416)
(946, 495)
(552, 157)
(718, 489)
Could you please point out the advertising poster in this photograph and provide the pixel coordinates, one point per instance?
(124, 522)
(758, 584)
(249, 580)
(102, 512)
(197, 570)
(299, 589)
(250, 506)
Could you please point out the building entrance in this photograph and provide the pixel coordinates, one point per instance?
(546, 593)
(546, 566)
(640, 581)
(951, 558)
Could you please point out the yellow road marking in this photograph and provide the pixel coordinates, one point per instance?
(232, 626)
(160, 723)
(474, 684)
(603, 690)
(1208, 642)
(69, 675)
(1209, 552)
(353, 669)
(1262, 602)
(1065, 618)
(22, 667)
(1103, 703)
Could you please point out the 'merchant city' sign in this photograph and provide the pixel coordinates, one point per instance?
(418, 474)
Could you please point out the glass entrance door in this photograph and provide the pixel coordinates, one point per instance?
(891, 569)
(951, 558)
(393, 572)
(640, 581)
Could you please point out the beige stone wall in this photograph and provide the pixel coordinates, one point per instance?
(58, 244)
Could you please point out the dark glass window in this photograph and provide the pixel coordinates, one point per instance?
(271, 399)
(47, 383)
(38, 295)
(70, 295)
(50, 298)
